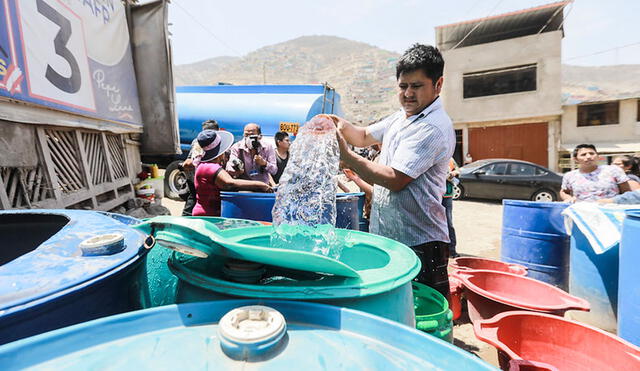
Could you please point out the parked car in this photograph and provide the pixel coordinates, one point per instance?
(504, 178)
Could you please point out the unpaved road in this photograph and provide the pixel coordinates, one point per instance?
(478, 226)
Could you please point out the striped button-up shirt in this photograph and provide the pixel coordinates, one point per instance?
(419, 146)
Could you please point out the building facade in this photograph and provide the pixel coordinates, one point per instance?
(502, 84)
(612, 125)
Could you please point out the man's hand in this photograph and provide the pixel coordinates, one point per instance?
(338, 121)
(259, 160)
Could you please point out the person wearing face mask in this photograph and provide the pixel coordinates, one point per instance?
(592, 182)
(252, 158)
(409, 178)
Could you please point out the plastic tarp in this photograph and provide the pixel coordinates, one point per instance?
(152, 61)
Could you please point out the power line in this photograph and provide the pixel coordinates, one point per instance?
(560, 8)
(478, 24)
(565, 17)
(206, 29)
(603, 51)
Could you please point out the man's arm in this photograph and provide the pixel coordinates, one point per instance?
(373, 172)
(354, 135)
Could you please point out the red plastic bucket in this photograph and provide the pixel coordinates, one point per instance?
(556, 343)
(469, 263)
(489, 293)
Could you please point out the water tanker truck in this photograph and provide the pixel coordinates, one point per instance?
(274, 107)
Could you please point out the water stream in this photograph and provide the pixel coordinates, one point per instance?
(304, 214)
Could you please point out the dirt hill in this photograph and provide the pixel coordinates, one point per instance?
(362, 74)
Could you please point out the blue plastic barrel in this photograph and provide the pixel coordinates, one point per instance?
(61, 267)
(247, 205)
(364, 223)
(533, 235)
(258, 206)
(294, 335)
(629, 289)
(594, 277)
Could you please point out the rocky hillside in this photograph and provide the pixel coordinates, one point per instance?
(362, 74)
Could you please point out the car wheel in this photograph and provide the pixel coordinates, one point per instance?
(458, 192)
(175, 182)
(544, 195)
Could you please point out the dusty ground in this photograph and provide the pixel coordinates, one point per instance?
(478, 228)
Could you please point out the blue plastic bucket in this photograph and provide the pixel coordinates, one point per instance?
(629, 290)
(258, 206)
(594, 277)
(66, 267)
(303, 336)
(533, 235)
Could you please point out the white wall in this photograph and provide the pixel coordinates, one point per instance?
(625, 131)
(544, 50)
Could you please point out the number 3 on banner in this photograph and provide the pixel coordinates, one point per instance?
(56, 59)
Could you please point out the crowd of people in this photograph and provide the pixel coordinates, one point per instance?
(406, 170)
(405, 175)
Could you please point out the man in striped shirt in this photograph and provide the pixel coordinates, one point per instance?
(409, 178)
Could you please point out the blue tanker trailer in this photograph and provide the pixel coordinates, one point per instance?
(274, 107)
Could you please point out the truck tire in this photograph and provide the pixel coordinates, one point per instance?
(175, 182)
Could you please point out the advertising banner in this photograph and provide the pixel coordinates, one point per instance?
(69, 55)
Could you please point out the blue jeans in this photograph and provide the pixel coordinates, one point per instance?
(447, 202)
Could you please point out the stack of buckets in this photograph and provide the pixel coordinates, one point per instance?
(523, 317)
(433, 315)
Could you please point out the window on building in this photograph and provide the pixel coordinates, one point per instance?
(638, 112)
(598, 114)
(501, 81)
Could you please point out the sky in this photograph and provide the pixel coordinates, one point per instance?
(597, 32)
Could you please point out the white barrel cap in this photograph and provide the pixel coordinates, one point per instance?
(252, 324)
(103, 244)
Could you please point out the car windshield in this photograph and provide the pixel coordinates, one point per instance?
(474, 165)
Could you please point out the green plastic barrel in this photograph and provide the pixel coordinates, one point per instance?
(372, 273)
(433, 315)
(161, 283)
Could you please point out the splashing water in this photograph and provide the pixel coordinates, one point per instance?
(304, 214)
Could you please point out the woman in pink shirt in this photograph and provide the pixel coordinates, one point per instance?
(591, 182)
(210, 177)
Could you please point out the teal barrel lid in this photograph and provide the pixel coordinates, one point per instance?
(368, 265)
(85, 246)
(312, 337)
(200, 238)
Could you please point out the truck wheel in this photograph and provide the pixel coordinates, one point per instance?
(175, 182)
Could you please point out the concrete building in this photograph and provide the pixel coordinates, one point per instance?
(611, 123)
(502, 84)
